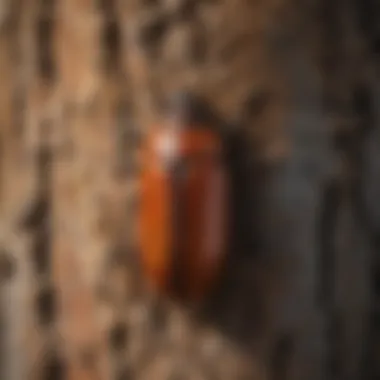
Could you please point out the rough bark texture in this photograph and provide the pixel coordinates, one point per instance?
(81, 83)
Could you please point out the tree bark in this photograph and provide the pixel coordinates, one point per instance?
(297, 85)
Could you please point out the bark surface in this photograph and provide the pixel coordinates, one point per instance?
(297, 85)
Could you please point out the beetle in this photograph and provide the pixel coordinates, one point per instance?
(184, 206)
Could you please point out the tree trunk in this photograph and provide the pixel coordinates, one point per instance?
(296, 82)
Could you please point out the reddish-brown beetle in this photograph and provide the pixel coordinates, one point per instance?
(183, 229)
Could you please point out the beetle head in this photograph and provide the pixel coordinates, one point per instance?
(188, 111)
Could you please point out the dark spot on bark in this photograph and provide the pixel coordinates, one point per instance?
(35, 214)
(44, 32)
(40, 251)
(7, 266)
(46, 306)
(152, 32)
(54, 367)
(118, 336)
(112, 44)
